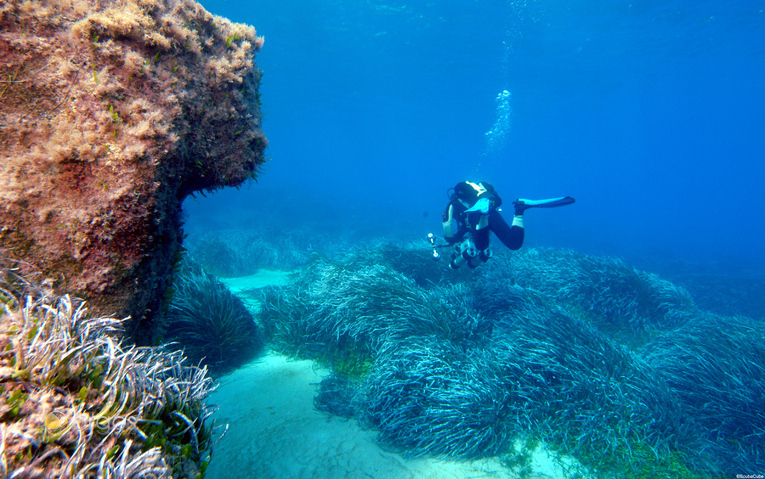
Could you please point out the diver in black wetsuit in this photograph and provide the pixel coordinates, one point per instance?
(474, 210)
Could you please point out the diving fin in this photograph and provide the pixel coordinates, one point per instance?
(522, 204)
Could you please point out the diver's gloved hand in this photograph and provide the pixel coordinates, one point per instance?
(482, 206)
(520, 207)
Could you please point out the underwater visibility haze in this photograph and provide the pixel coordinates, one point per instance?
(627, 332)
(649, 113)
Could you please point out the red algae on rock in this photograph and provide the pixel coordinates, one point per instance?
(111, 113)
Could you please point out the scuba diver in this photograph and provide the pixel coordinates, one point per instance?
(472, 213)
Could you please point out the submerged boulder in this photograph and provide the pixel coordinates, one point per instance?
(111, 113)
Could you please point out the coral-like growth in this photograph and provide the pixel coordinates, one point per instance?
(112, 112)
(208, 323)
(75, 403)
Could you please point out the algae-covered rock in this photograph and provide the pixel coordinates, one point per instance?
(111, 112)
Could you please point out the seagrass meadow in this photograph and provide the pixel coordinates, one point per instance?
(599, 361)
(208, 323)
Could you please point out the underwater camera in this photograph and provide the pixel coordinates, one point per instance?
(466, 252)
(432, 238)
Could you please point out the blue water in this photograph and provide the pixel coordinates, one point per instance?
(650, 113)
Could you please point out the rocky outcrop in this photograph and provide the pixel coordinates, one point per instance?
(111, 112)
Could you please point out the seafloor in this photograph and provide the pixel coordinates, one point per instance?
(344, 353)
(275, 431)
(372, 360)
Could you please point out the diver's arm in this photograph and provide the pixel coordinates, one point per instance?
(510, 235)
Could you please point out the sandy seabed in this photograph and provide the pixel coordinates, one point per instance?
(274, 432)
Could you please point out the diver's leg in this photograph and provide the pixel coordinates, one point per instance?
(510, 235)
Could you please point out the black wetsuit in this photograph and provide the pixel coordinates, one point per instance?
(465, 196)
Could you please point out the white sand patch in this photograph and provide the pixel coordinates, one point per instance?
(246, 287)
(275, 432)
(261, 279)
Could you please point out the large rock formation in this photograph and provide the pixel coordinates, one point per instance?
(111, 112)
